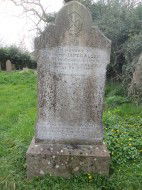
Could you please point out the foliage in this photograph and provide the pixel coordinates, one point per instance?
(3, 55)
(135, 93)
(111, 89)
(133, 47)
(116, 100)
(121, 22)
(123, 129)
(20, 58)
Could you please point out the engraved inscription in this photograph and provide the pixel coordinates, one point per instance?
(73, 60)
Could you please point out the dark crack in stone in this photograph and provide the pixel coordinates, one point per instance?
(66, 1)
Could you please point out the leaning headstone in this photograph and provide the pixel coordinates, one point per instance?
(9, 66)
(135, 89)
(72, 57)
(137, 75)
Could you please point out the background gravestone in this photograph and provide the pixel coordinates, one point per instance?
(135, 89)
(8, 65)
(72, 56)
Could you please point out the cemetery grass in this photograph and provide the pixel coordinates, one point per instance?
(123, 135)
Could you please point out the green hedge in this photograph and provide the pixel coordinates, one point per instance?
(20, 58)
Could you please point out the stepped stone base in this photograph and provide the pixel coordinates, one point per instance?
(65, 160)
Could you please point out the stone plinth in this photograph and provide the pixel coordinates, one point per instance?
(64, 160)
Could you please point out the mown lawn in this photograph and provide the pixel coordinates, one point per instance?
(123, 135)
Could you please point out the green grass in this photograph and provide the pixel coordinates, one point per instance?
(123, 135)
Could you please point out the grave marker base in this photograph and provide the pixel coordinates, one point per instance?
(65, 160)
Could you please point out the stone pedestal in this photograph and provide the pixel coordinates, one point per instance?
(64, 160)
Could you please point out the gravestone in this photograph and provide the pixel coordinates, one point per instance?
(25, 69)
(8, 66)
(137, 75)
(72, 57)
(135, 89)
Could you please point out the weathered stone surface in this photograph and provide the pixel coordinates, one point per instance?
(8, 65)
(25, 69)
(72, 56)
(135, 89)
(64, 160)
(137, 75)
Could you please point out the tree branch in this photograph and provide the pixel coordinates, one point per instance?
(33, 6)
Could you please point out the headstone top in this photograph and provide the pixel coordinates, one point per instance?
(73, 26)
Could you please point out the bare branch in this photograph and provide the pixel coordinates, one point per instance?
(35, 7)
